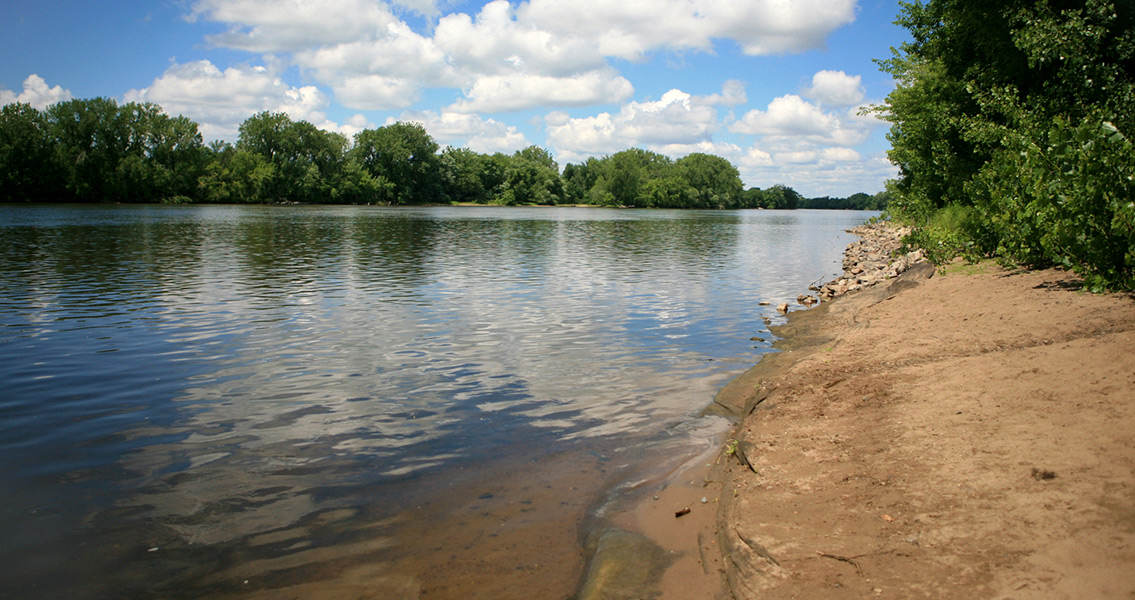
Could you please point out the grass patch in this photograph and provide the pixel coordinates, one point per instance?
(960, 266)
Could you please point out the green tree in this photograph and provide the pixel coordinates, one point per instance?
(715, 182)
(1011, 127)
(531, 178)
(87, 146)
(462, 173)
(579, 179)
(539, 156)
(405, 155)
(306, 161)
(28, 168)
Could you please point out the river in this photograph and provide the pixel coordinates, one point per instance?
(223, 401)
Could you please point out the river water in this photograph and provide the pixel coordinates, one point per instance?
(329, 402)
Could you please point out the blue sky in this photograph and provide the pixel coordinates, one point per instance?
(772, 85)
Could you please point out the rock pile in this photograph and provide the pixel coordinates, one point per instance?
(872, 259)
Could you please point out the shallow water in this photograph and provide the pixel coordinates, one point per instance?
(210, 401)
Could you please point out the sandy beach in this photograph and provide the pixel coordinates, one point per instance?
(966, 434)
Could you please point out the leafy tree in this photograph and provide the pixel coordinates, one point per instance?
(306, 161)
(672, 191)
(715, 183)
(579, 179)
(1016, 118)
(162, 157)
(28, 168)
(858, 201)
(132, 153)
(531, 178)
(406, 156)
(625, 177)
(463, 175)
(87, 146)
(539, 156)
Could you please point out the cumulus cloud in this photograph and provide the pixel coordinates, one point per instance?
(786, 115)
(507, 57)
(674, 121)
(219, 101)
(387, 70)
(36, 93)
(776, 26)
(793, 117)
(836, 88)
(506, 93)
(292, 25)
(496, 43)
(468, 131)
(631, 28)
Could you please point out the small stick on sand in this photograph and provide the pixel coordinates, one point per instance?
(845, 559)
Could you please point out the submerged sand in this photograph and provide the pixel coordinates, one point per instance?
(970, 435)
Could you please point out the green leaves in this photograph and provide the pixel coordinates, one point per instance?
(1019, 109)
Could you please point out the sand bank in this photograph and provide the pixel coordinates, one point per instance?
(970, 435)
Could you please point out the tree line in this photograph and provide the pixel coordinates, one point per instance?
(1012, 125)
(95, 150)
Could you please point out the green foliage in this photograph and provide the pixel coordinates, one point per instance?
(1068, 200)
(777, 197)
(306, 162)
(643, 179)
(95, 150)
(28, 169)
(465, 176)
(713, 182)
(405, 155)
(951, 232)
(859, 201)
(1024, 111)
(531, 177)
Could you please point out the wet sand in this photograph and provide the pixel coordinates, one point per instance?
(970, 435)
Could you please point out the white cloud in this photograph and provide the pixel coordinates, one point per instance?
(798, 121)
(820, 172)
(630, 28)
(839, 155)
(387, 70)
(354, 125)
(754, 158)
(495, 43)
(507, 57)
(732, 94)
(292, 25)
(836, 88)
(219, 101)
(821, 156)
(777, 26)
(786, 115)
(506, 93)
(36, 93)
(676, 120)
(468, 131)
(730, 152)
